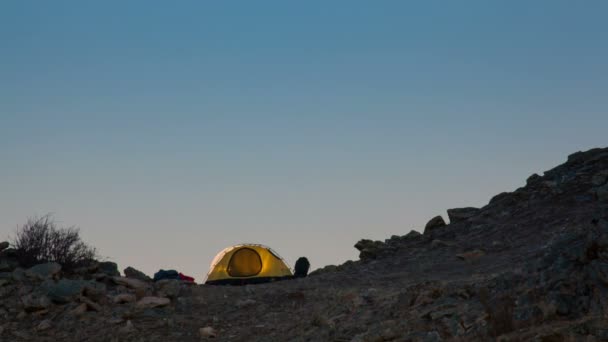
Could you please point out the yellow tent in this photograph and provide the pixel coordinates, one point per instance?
(247, 264)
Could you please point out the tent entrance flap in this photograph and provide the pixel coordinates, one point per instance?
(245, 263)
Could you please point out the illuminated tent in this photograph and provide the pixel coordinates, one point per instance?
(247, 264)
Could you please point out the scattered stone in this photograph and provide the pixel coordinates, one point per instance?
(124, 298)
(152, 302)
(471, 255)
(128, 328)
(44, 325)
(79, 310)
(434, 223)
(131, 272)
(462, 214)
(90, 304)
(44, 271)
(207, 332)
(33, 302)
(245, 302)
(115, 320)
(130, 283)
(440, 243)
(170, 288)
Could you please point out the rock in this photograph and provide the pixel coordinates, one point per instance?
(245, 302)
(79, 310)
(598, 179)
(4, 245)
(115, 320)
(207, 332)
(44, 271)
(533, 179)
(500, 197)
(5, 267)
(434, 223)
(95, 291)
(369, 249)
(22, 335)
(412, 234)
(109, 268)
(440, 243)
(602, 193)
(131, 272)
(124, 298)
(128, 328)
(462, 214)
(152, 302)
(170, 288)
(63, 291)
(44, 325)
(471, 255)
(130, 283)
(90, 304)
(34, 302)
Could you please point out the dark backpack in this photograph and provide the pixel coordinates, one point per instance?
(301, 268)
(166, 274)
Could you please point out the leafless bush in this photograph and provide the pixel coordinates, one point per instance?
(40, 240)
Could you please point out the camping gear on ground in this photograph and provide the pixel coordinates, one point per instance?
(172, 274)
(166, 274)
(185, 278)
(247, 264)
(301, 267)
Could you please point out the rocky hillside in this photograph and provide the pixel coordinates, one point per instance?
(532, 265)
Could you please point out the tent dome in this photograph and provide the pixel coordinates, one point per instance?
(247, 264)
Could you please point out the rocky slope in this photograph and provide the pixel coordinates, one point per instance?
(532, 265)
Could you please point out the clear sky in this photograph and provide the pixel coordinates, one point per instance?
(170, 130)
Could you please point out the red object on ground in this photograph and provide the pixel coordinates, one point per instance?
(186, 278)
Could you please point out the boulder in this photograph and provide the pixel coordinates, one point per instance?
(44, 271)
(109, 268)
(434, 223)
(4, 245)
(533, 179)
(124, 298)
(369, 249)
(152, 302)
(63, 291)
(135, 284)
(412, 234)
(461, 214)
(131, 272)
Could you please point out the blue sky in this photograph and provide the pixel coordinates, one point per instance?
(168, 131)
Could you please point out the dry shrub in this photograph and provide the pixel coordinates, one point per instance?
(40, 240)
